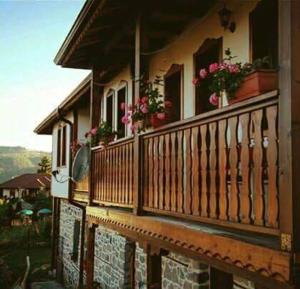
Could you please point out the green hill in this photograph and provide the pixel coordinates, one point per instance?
(18, 160)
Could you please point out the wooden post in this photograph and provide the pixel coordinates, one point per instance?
(289, 124)
(96, 95)
(137, 67)
(90, 256)
(137, 175)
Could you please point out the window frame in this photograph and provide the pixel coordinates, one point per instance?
(61, 150)
(124, 85)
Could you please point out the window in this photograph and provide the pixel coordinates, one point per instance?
(58, 155)
(76, 237)
(64, 146)
(173, 90)
(61, 146)
(109, 109)
(209, 52)
(121, 98)
(264, 31)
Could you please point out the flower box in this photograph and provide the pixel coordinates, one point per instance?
(256, 83)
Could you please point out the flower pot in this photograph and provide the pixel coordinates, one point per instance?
(155, 122)
(256, 83)
(140, 124)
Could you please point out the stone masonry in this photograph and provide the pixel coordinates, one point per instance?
(113, 259)
(179, 272)
(68, 215)
(140, 268)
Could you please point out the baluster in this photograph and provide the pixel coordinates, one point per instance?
(272, 155)
(245, 170)
(195, 176)
(130, 162)
(203, 167)
(167, 172)
(188, 188)
(233, 163)
(256, 118)
(173, 172)
(179, 173)
(155, 178)
(223, 196)
(146, 174)
(126, 177)
(150, 178)
(161, 172)
(213, 170)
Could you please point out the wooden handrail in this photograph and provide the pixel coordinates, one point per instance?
(218, 167)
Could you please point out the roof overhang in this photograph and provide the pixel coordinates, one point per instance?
(45, 127)
(103, 34)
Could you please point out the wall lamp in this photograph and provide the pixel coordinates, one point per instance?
(225, 17)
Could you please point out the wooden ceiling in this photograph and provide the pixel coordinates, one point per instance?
(102, 36)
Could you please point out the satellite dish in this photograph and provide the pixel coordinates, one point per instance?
(81, 164)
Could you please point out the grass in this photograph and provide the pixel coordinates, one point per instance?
(13, 250)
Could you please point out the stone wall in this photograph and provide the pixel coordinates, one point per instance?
(140, 268)
(179, 272)
(68, 215)
(241, 283)
(113, 259)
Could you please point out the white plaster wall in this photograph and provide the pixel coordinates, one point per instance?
(181, 50)
(60, 189)
(83, 123)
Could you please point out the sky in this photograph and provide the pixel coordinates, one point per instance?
(31, 85)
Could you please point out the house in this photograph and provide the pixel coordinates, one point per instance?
(26, 185)
(209, 200)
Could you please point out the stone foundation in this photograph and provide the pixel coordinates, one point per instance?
(179, 272)
(140, 268)
(68, 215)
(113, 259)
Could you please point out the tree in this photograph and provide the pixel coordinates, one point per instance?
(44, 165)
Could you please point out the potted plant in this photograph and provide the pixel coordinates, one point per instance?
(149, 110)
(232, 82)
(101, 135)
(261, 79)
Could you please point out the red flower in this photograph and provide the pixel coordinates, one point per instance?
(168, 104)
(214, 99)
(196, 81)
(203, 73)
(144, 99)
(213, 67)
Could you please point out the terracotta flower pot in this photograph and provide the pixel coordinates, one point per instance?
(155, 122)
(256, 83)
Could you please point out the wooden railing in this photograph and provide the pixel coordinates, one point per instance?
(112, 174)
(219, 167)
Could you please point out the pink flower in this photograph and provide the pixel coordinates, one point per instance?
(123, 106)
(203, 73)
(233, 68)
(213, 67)
(214, 99)
(161, 115)
(168, 103)
(196, 81)
(93, 131)
(125, 119)
(144, 99)
(132, 127)
(223, 66)
(144, 108)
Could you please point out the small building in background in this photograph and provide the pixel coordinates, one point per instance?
(26, 185)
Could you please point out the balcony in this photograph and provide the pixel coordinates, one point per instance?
(220, 167)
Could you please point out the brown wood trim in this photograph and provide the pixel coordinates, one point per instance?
(212, 249)
(263, 100)
(111, 204)
(238, 226)
(116, 143)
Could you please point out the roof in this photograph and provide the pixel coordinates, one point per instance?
(45, 127)
(28, 181)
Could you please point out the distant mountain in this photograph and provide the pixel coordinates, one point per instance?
(15, 161)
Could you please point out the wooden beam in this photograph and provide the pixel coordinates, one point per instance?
(90, 257)
(289, 124)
